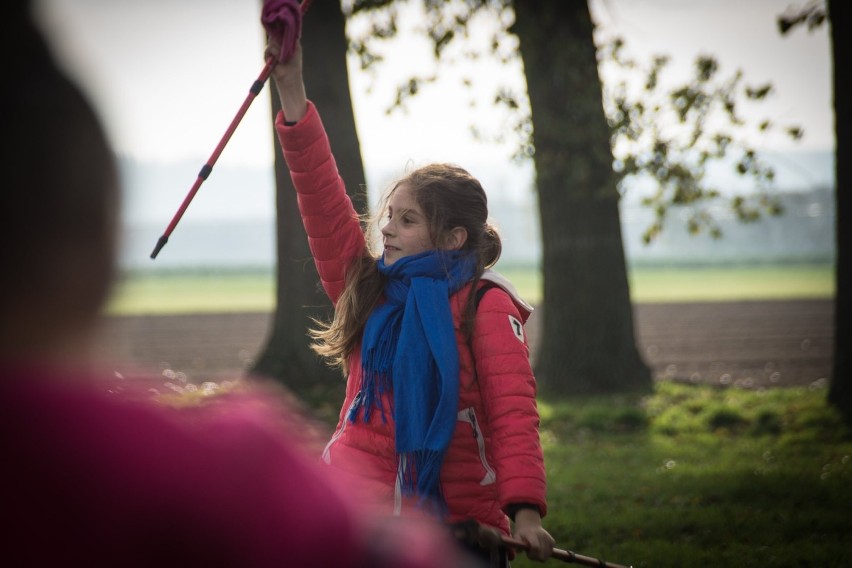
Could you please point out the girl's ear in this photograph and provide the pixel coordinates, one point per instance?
(455, 238)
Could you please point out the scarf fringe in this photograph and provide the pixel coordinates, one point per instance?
(374, 385)
(376, 381)
(420, 475)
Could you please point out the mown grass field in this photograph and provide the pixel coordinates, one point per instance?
(697, 476)
(247, 290)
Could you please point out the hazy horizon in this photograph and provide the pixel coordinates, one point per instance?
(231, 221)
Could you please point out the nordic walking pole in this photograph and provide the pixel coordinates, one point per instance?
(208, 167)
(282, 18)
(564, 555)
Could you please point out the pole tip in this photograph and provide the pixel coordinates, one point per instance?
(161, 242)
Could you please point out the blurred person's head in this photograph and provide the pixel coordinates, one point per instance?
(59, 202)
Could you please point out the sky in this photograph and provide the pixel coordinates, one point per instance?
(169, 75)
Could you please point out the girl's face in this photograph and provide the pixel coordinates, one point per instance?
(406, 231)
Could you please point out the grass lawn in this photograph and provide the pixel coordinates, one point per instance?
(234, 291)
(708, 283)
(194, 292)
(700, 476)
(760, 282)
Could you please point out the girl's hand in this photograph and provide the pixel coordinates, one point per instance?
(528, 529)
(288, 80)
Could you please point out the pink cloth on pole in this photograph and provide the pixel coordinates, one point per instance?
(283, 21)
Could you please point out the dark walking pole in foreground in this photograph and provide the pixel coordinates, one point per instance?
(564, 555)
(490, 538)
(281, 18)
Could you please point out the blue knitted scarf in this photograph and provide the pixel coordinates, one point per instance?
(409, 345)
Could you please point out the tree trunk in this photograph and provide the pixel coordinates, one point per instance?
(300, 299)
(587, 338)
(840, 392)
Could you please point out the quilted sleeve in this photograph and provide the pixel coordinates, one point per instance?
(331, 222)
(508, 390)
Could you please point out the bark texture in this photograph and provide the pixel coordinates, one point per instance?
(587, 342)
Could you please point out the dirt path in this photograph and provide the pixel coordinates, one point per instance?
(748, 344)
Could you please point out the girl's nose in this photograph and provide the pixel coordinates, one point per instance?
(386, 229)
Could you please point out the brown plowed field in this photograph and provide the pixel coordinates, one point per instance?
(748, 344)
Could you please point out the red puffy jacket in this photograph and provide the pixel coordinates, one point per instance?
(495, 457)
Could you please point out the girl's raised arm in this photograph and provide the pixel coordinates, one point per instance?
(289, 82)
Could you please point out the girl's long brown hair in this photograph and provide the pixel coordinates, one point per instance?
(450, 197)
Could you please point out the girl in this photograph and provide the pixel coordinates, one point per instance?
(440, 410)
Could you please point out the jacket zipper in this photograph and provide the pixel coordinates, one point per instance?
(397, 489)
(326, 453)
(468, 415)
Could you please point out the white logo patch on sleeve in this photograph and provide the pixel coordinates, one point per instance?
(517, 328)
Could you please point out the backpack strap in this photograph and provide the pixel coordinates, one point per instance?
(480, 292)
